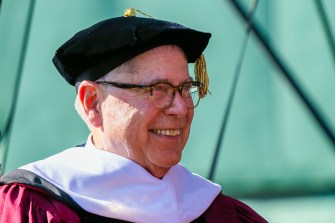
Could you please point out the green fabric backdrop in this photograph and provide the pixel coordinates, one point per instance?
(272, 146)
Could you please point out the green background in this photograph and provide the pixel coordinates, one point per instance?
(274, 155)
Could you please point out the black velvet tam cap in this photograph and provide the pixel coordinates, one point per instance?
(95, 51)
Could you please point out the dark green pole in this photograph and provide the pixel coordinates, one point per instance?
(232, 92)
(5, 136)
(326, 27)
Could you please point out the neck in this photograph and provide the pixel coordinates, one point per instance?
(158, 172)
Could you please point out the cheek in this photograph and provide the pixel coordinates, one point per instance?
(125, 119)
(123, 108)
(116, 118)
(138, 101)
(189, 117)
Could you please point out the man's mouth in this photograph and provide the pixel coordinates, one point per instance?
(167, 132)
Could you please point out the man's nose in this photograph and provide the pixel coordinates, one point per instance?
(178, 105)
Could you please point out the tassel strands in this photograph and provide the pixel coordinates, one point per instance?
(131, 12)
(201, 75)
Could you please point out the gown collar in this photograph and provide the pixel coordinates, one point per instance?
(112, 186)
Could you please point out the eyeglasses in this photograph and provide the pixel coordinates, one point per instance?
(162, 94)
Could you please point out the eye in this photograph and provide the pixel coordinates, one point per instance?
(162, 88)
(187, 87)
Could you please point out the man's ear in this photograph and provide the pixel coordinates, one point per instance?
(88, 96)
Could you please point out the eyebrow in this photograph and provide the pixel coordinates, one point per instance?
(165, 80)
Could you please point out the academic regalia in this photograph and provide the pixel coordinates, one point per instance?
(85, 184)
(54, 190)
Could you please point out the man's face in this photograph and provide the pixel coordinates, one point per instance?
(132, 126)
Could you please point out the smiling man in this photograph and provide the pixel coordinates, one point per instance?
(136, 95)
(155, 121)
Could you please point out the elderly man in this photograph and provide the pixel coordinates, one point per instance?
(137, 97)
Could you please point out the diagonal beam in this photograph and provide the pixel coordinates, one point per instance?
(288, 74)
(326, 27)
(232, 92)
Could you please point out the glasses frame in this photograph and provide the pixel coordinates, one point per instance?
(150, 88)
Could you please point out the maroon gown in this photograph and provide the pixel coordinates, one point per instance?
(28, 198)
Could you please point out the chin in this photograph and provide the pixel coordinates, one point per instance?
(170, 162)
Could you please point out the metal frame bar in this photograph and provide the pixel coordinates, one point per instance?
(326, 27)
(286, 73)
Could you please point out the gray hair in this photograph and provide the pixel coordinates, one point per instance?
(113, 75)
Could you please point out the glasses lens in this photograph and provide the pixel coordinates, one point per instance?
(162, 95)
(190, 94)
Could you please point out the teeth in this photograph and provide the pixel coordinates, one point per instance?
(167, 132)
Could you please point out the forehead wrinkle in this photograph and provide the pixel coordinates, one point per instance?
(167, 49)
(165, 53)
(130, 70)
(127, 70)
(159, 52)
(166, 80)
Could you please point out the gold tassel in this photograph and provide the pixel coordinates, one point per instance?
(131, 12)
(201, 75)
